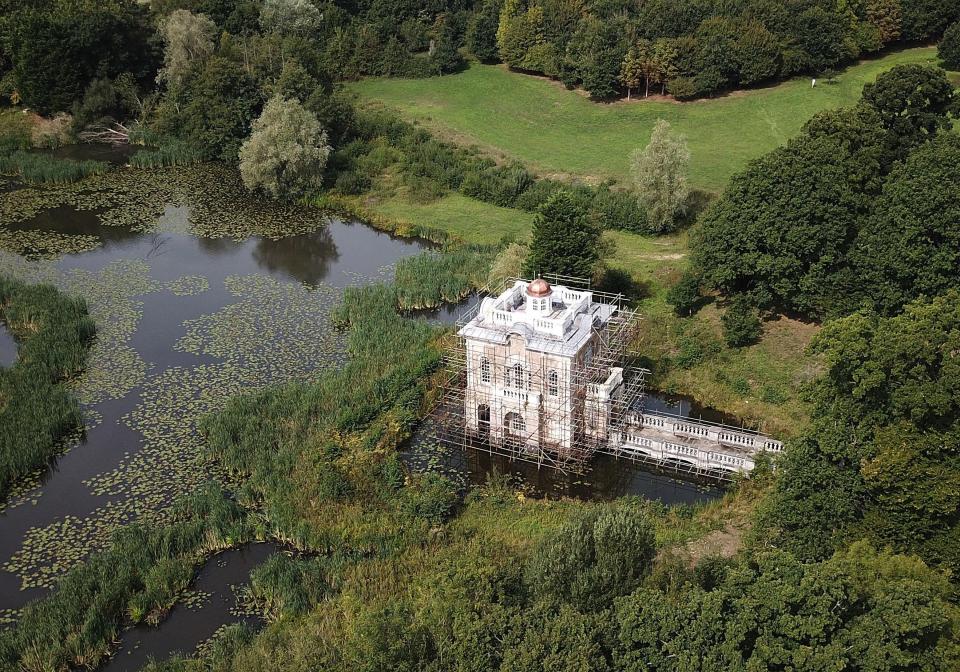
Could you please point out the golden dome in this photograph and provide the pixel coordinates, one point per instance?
(539, 288)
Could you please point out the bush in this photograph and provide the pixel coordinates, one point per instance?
(949, 48)
(741, 323)
(599, 555)
(685, 296)
(619, 210)
(289, 586)
(430, 497)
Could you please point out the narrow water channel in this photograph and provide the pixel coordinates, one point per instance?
(214, 600)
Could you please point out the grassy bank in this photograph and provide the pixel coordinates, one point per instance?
(555, 131)
(37, 410)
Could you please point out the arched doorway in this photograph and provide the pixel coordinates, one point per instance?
(514, 427)
(483, 421)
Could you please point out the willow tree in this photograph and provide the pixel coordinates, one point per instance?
(188, 40)
(286, 152)
(660, 176)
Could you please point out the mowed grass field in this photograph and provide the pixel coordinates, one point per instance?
(561, 132)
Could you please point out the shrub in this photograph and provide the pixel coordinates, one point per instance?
(619, 210)
(949, 48)
(685, 296)
(289, 586)
(599, 555)
(430, 497)
(741, 323)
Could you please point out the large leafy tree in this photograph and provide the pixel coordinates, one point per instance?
(914, 103)
(782, 229)
(860, 610)
(910, 244)
(881, 459)
(481, 37)
(220, 103)
(286, 152)
(57, 48)
(565, 241)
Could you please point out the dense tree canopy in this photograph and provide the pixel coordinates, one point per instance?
(881, 458)
(821, 226)
(56, 48)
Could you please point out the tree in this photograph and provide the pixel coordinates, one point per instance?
(286, 152)
(519, 31)
(594, 54)
(660, 176)
(665, 55)
(220, 103)
(741, 325)
(565, 241)
(914, 103)
(188, 43)
(631, 70)
(593, 559)
(880, 371)
(887, 17)
(910, 244)
(782, 231)
(949, 48)
(685, 295)
(757, 53)
(860, 610)
(481, 37)
(445, 55)
(290, 17)
(56, 50)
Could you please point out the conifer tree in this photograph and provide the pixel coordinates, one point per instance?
(565, 241)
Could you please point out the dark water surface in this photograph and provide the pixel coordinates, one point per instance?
(339, 255)
(187, 626)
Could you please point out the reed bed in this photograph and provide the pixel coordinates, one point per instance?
(169, 153)
(37, 411)
(45, 169)
(447, 276)
(136, 581)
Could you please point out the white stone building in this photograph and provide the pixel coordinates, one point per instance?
(539, 376)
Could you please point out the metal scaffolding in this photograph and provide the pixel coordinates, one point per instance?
(586, 414)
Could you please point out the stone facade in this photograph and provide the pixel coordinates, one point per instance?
(532, 382)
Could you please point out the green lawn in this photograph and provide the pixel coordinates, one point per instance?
(464, 217)
(561, 132)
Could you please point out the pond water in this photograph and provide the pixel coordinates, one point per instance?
(214, 601)
(188, 317)
(8, 346)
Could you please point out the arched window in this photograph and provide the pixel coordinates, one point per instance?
(484, 370)
(553, 383)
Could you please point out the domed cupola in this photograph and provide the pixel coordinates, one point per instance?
(539, 299)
